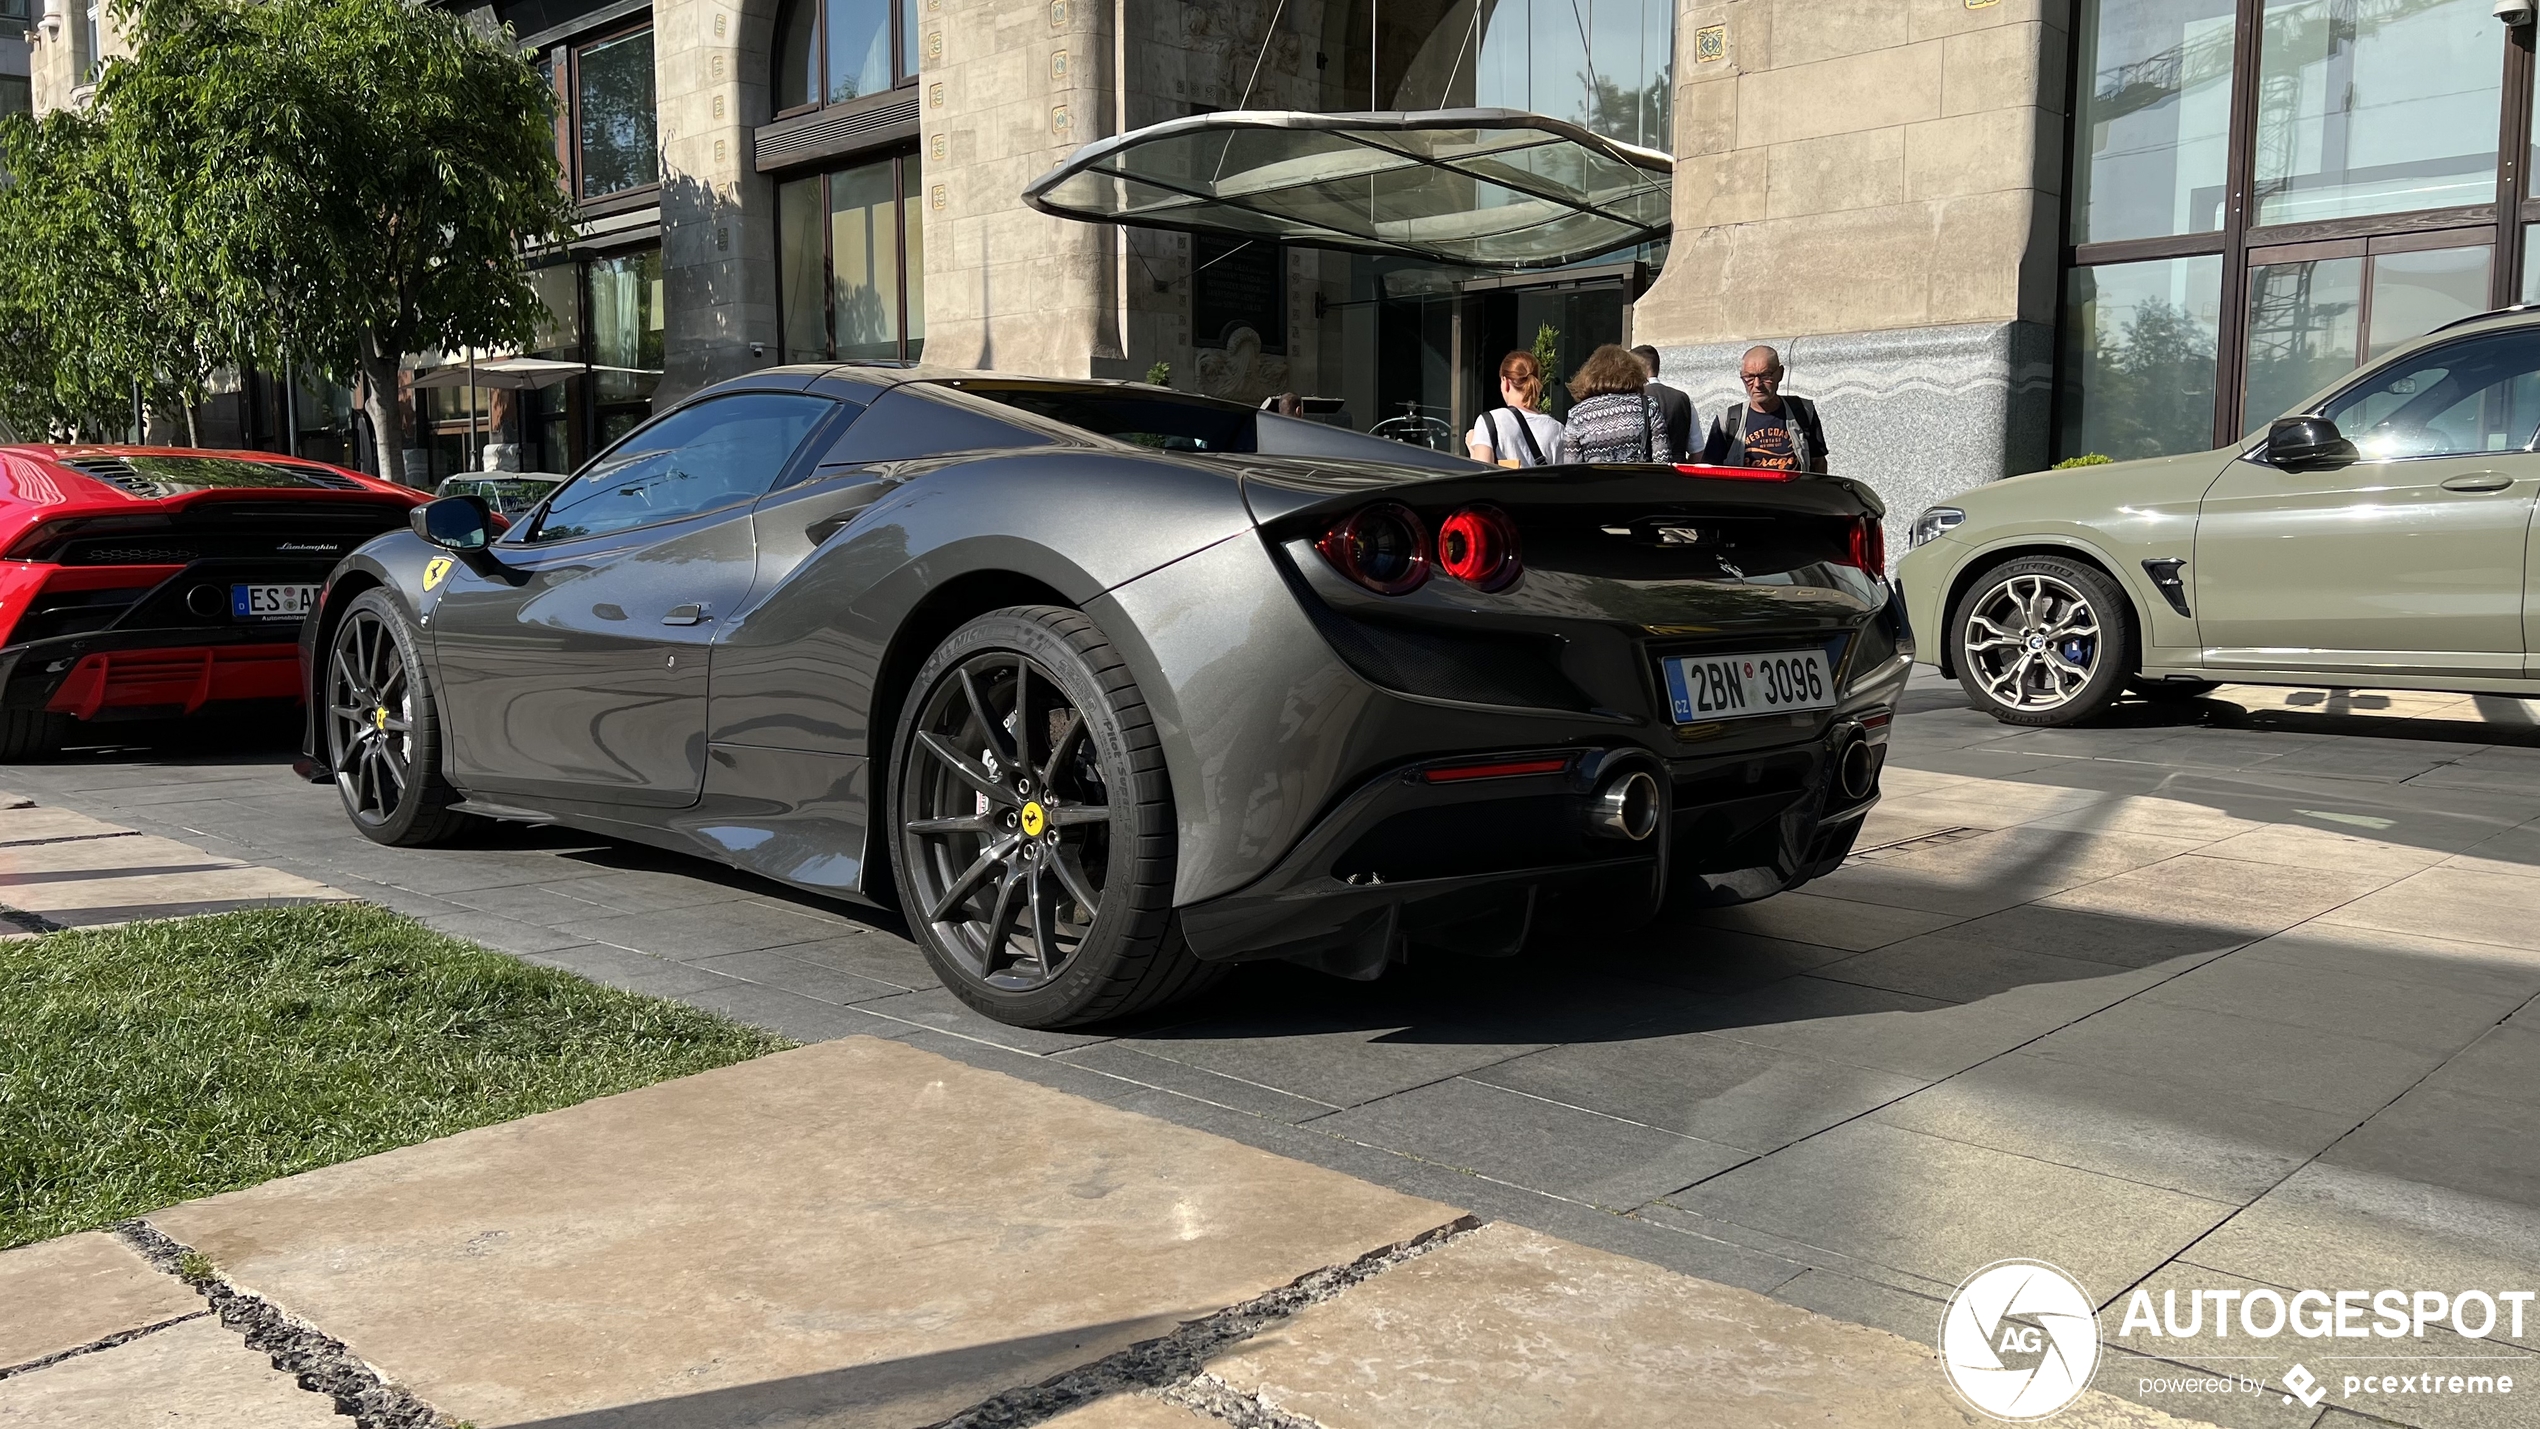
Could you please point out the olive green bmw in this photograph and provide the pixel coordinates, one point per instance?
(2379, 536)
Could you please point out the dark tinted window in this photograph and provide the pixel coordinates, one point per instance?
(716, 453)
(914, 421)
(1169, 423)
(2481, 394)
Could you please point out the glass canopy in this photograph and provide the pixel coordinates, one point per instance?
(1492, 188)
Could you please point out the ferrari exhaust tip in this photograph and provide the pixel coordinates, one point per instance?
(1856, 769)
(1625, 807)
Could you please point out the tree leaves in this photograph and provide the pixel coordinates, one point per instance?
(329, 183)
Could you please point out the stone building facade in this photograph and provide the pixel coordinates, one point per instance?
(1987, 233)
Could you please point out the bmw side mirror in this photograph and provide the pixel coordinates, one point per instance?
(2308, 444)
(454, 523)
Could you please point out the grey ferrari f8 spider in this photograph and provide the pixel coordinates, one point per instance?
(1106, 687)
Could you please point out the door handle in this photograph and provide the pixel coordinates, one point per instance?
(685, 615)
(2479, 481)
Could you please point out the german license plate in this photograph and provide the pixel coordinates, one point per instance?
(1704, 687)
(271, 602)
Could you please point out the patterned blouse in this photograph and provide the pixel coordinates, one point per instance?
(1618, 426)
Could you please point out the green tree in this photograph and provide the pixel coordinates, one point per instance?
(88, 312)
(306, 184)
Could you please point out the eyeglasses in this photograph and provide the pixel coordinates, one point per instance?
(1751, 378)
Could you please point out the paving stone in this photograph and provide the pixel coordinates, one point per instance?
(2221, 893)
(1718, 1088)
(794, 1237)
(2503, 1063)
(1513, 1329)
(787, 1014)
(733, 926)
(1827, 922)
(75, 1290)
(2482, 1145)
(197, 1375)
(936, 1009)
(1998, 870)
(1913, 1036)
(785, 974)
(1543, 1145)
(2515, 852)
(2301, 846)
(1939, 966)
(2331, 1227)
(2115, 939)
(2202, 1140)
(2407, 958)
(1182, 1079)
(2451, 903)
(2274, 1061)
(2436, 1018)
(633, 971)
(870, 954)
(1703, 958)
(2210, 1393)
(1942, 1209)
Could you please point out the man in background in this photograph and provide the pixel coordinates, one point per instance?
(1768, 430)
(1675, 409)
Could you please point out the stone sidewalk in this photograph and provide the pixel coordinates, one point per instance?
(62, 869)
(862, 1233)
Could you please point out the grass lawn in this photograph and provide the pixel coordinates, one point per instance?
(153, 1063)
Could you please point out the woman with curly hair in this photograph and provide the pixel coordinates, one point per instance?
(1612, 418)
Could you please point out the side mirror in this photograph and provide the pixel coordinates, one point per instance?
(2308, 444)
(454, 523)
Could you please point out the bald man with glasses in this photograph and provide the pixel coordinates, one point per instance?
(1769, 429)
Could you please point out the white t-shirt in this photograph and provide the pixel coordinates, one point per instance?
(1497, 429)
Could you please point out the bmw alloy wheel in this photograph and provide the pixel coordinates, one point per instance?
(370, 718)
(2033, 642)
(1008, 820)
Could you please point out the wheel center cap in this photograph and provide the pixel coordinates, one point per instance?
(1035, 819)
(2037, 642)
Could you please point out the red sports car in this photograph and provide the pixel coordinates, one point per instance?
(141, 582)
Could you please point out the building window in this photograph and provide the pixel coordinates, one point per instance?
(832, 51)
(606, 135)
(17, 95)
(2241, 267)
(622, 303)
(92, 35)
(851, 269)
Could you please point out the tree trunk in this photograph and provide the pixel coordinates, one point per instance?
(193, 434)
(379, 402)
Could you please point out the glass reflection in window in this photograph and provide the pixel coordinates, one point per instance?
(2140, 341)
(1604, 66)
(2153, 135)
(2378, 108)
(2303, 329)
(2415, 293)
(613, 106)
(832, 51)
(851, 260)
(624, 292)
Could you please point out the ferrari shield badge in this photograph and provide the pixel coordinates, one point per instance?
(434, 570)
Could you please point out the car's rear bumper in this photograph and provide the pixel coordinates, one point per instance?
(1483, 866)
(110, 674)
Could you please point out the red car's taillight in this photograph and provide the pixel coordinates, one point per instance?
(1380, 547)
(1865, 546)
(1478, 546)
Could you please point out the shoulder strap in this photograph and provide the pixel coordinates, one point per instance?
(1526, 434)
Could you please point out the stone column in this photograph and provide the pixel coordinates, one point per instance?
(1873, 186)
(718, 215)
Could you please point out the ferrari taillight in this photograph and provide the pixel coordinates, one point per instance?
(1381, 547)
(1478, 546)
(1865, 545)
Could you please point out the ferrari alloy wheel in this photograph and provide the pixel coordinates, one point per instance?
(1035, 825)
(382, 739)
(2043, 641)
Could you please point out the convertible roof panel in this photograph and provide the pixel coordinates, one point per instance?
(1489, 188)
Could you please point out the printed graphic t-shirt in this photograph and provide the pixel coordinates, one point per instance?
(1768, 440)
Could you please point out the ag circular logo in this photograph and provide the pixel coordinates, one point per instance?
(2019, 1340)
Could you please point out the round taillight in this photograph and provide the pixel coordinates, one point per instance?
(1380, 547)
(1478, 546)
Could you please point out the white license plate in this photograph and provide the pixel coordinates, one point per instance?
(271, 602)
(1705, 687)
